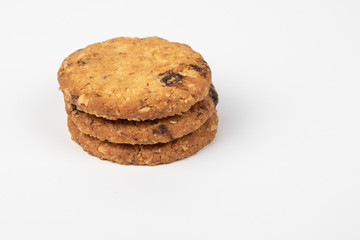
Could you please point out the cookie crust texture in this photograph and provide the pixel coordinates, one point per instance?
(134, 79)
(143, 132)
(147, 154)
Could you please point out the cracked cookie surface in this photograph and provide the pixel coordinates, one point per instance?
(134, 79)
(144, 132)
(147, 154)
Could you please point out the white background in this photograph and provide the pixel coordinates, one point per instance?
(284, 165)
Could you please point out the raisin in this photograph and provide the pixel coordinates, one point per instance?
(170, 78)
(163, 130)
(196, 68)
(202, 71)
(213, 94)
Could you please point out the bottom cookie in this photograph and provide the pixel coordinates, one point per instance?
(147, 154)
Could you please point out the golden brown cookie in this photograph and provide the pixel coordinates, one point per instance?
(147, 154)
(145, 132)
(134, 79)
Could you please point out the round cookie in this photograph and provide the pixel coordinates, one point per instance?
(147, 154)
(134, 79)
(145, 132)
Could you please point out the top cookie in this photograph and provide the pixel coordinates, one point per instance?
(134, 79)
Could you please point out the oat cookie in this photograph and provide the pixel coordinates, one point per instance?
(144, 132)
(147, 154)
(134, 79)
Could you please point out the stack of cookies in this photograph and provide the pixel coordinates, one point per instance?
(139, 101)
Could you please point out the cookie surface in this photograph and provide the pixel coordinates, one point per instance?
(143, 132)
(134, 79)
(147, 154)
